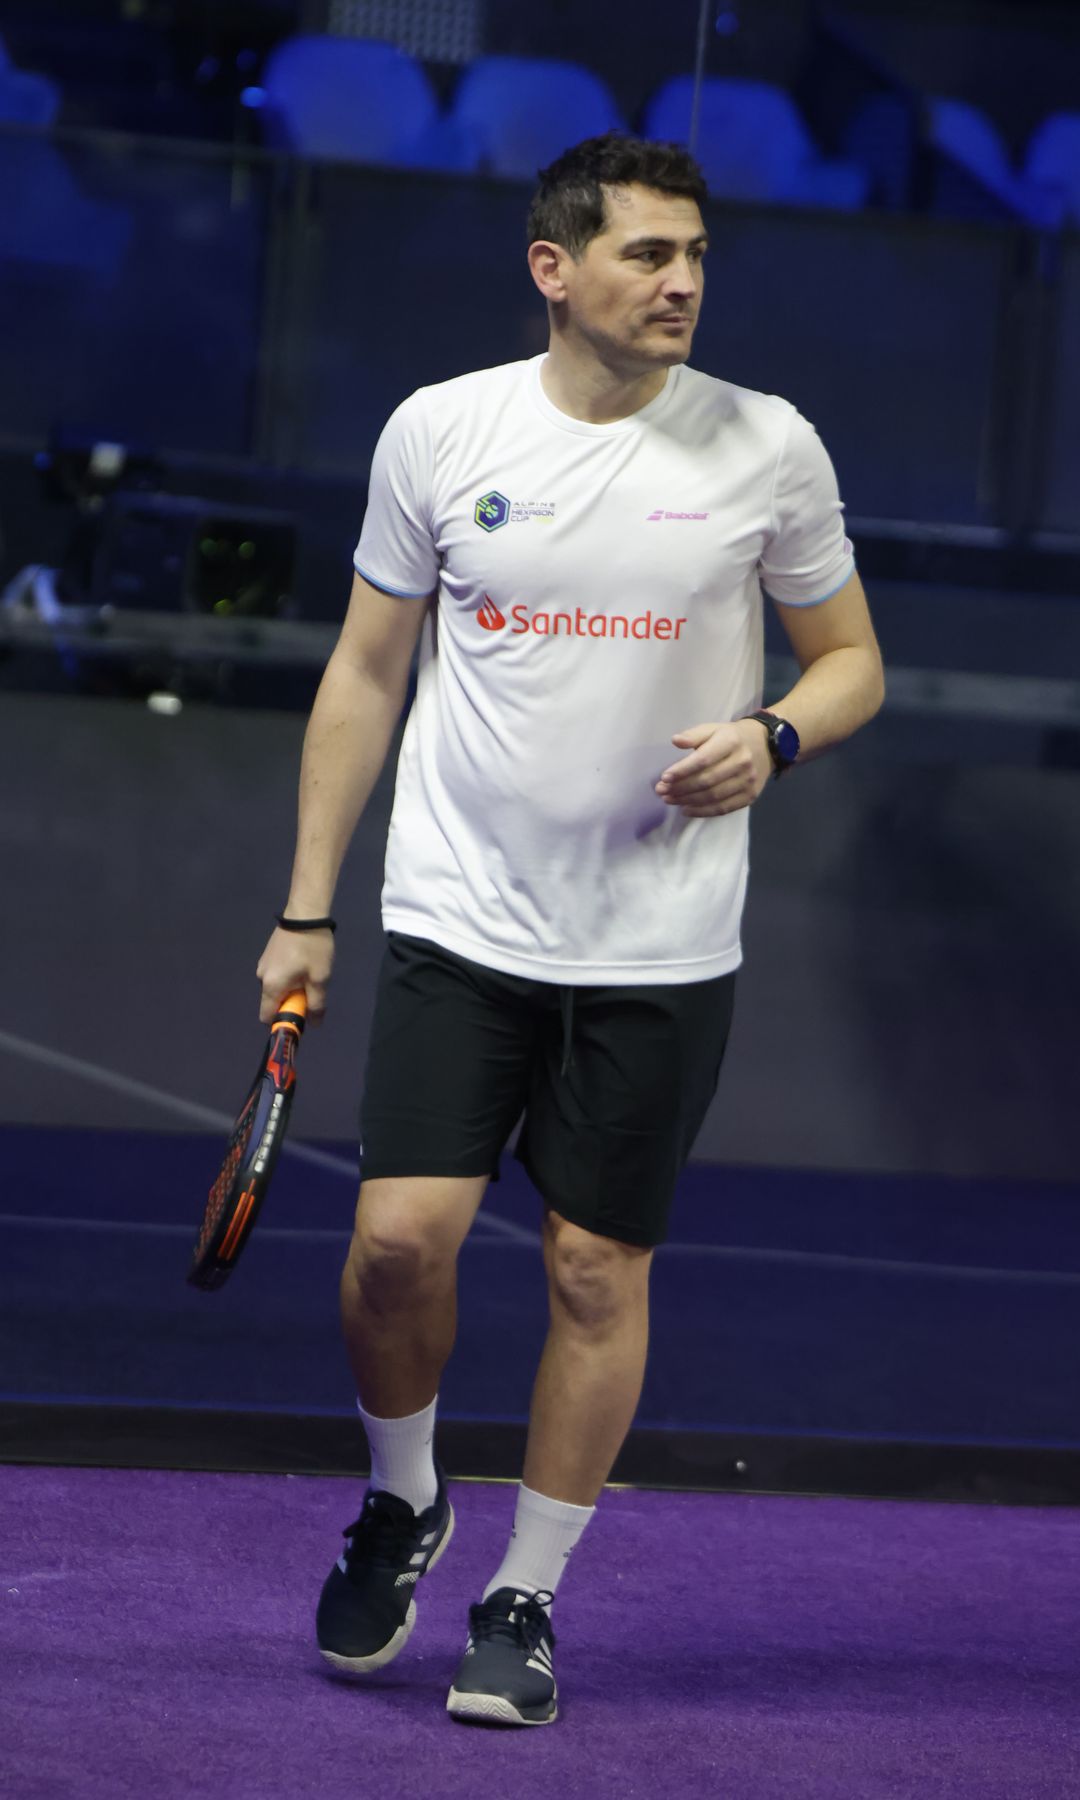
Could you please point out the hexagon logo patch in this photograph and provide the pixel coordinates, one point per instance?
(492, 510)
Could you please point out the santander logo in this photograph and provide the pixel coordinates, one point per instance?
(578, 623)
(489, 615)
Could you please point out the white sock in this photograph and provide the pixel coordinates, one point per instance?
(545, 1531)
(402, 1458)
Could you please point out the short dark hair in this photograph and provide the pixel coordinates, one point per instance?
(568, 206)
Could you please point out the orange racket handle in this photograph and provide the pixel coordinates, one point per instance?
(292, 1010)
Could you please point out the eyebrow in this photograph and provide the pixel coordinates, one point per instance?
(662, 243)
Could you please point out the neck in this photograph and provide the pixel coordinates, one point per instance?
(583, 385)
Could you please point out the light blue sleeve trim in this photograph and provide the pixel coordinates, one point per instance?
(398, 593)
(821, 599)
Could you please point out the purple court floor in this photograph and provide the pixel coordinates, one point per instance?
(156, 1641)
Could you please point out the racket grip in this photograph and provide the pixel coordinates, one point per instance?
(294, 1004)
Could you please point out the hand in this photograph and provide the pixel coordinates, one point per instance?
(295, 959)
(729, 767)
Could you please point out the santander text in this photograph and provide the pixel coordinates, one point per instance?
(596, 625)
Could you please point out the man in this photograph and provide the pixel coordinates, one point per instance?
(580, 544)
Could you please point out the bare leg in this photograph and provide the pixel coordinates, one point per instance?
(590, 1375)
(399, 1287)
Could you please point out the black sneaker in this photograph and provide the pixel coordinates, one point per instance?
(506, 1677)
(366, 1609)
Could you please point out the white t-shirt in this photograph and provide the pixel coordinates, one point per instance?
(599, 588)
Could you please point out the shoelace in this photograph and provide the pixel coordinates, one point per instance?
(524, 1624)
(384, 1533)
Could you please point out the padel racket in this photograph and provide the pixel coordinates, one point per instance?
(236, 1196)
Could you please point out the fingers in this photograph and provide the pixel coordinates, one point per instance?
(269, 1004)
(273, 992)
(316, 1000)
(706, 785)
(721, 776)
(685, 771)
(710, 804)
(711, 747)
(689, 767)
(291, 961)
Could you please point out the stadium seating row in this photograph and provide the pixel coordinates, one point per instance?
(512, 115)
(362, 101)
(1046, 192)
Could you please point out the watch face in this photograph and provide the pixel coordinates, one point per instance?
(787, 741)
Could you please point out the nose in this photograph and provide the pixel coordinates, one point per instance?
(681, 280)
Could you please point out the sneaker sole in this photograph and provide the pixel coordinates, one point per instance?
(366, 1665)
(492, 1709)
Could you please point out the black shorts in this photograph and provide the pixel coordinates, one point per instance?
(614, 1082)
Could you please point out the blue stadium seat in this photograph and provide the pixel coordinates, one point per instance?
(521, 114)
(47, 220)
(1053, 162)
(968, 135)
(753, 145)
(26, 99)
(972, 140)
(356, 100)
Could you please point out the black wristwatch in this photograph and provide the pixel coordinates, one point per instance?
(783, 740)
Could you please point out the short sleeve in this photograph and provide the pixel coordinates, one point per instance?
(807, 557)
(396, 551)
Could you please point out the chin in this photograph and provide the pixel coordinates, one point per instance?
(666, 351)
(668, 359)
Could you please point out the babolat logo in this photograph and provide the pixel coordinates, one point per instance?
(492, 510)
(661, 514)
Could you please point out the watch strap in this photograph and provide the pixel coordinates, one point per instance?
(772, 723)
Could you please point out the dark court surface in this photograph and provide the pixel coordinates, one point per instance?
(921, 1309)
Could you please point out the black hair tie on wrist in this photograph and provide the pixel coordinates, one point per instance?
(305, 924)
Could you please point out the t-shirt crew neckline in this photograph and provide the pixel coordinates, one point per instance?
(585, 427)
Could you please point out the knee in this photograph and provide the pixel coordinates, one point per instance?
(393, 1255)
(596, 1282)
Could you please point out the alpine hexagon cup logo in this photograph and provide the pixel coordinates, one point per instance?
(492, 510)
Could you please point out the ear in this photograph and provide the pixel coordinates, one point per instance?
(546, 268)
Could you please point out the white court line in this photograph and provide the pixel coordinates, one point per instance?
(302, 1234)
(172, 1103)
(154, 1228)
(507, 1230)
(828, 1259)
(210, 1116)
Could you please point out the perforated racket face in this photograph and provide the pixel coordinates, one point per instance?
(237, 1193)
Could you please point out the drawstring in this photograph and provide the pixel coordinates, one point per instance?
(566, 1007)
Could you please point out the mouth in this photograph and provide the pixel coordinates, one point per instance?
(673, 319)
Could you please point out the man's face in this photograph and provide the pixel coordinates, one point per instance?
(636, 292)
